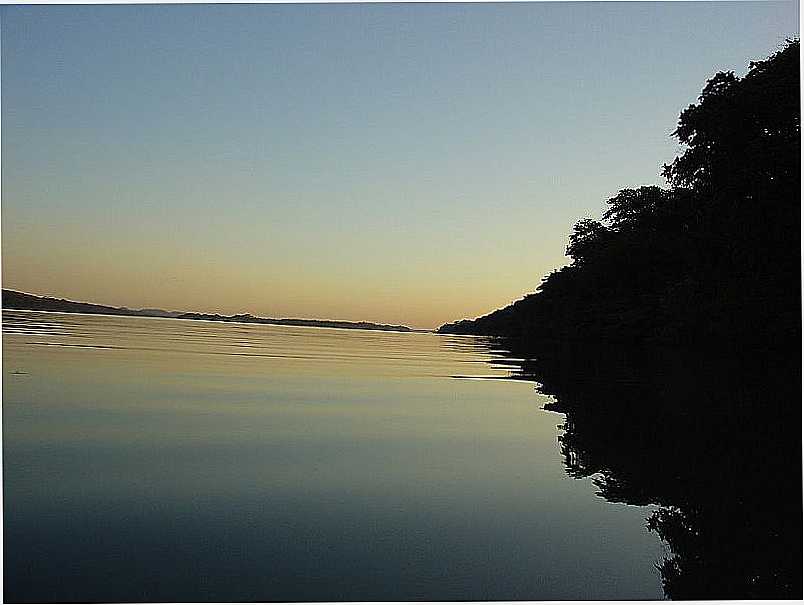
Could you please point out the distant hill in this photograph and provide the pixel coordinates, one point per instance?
(29, 302)
(319, 323)
(20, 300)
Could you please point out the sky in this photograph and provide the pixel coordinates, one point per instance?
(398, 163)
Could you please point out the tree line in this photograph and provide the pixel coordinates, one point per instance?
(713, 256)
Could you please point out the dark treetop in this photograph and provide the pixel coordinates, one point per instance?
(712, 258)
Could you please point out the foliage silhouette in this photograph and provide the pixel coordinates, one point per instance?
(714, 258)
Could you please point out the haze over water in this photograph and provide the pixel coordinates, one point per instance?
(163, 460)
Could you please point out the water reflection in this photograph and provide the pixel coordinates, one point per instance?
(714, 441)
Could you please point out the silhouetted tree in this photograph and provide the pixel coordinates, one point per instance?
(712, 259)
(586, 240)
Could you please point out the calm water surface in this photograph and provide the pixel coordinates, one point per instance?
(158, 459)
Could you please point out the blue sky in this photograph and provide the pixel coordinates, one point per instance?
(412, 163)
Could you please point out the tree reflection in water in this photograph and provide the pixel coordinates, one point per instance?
(715, 442)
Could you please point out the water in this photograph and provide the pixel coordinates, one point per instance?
(155, 459)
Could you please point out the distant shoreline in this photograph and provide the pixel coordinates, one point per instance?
(20, 301)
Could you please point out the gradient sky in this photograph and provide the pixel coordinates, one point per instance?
(408, 163)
